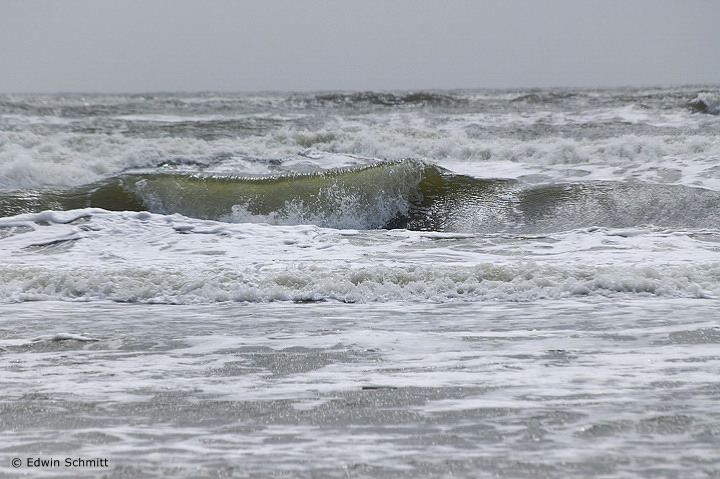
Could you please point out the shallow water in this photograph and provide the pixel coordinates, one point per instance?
(537, 389)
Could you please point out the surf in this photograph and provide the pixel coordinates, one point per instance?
(366, 197)
(405, 194)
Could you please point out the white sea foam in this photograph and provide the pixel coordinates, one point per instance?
(628, 142)
(395, 388)
(28, 160)
(141, 257)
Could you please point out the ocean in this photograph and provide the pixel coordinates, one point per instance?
(435, 284)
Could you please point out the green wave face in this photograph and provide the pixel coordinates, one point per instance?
(404, 194)
(108, 194)
(367, 197)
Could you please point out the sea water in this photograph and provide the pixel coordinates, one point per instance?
(380, 284)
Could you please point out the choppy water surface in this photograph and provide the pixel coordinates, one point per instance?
(379, 284)
(536, 389)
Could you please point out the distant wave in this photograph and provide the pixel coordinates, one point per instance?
(421, 98)
(706, 103)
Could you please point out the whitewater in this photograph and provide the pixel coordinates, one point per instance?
(471, 283)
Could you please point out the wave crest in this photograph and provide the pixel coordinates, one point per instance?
(706, 103)
(484, 282)
(407, 194)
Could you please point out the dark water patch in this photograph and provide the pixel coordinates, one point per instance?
(283, 363)
(544, 96)
(51, 247)
(388, 99)
(698, 336)
(108, 194)
(674, 424)
(61, 342)
(605, 429)
(311, 139)
(705, 103)
(207, 130)
(618, 205)
(8, 231)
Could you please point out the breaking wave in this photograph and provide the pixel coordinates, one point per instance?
(406, 194)
(706, 103)
(526, 282)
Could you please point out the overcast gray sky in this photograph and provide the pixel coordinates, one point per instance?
(300, 45)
